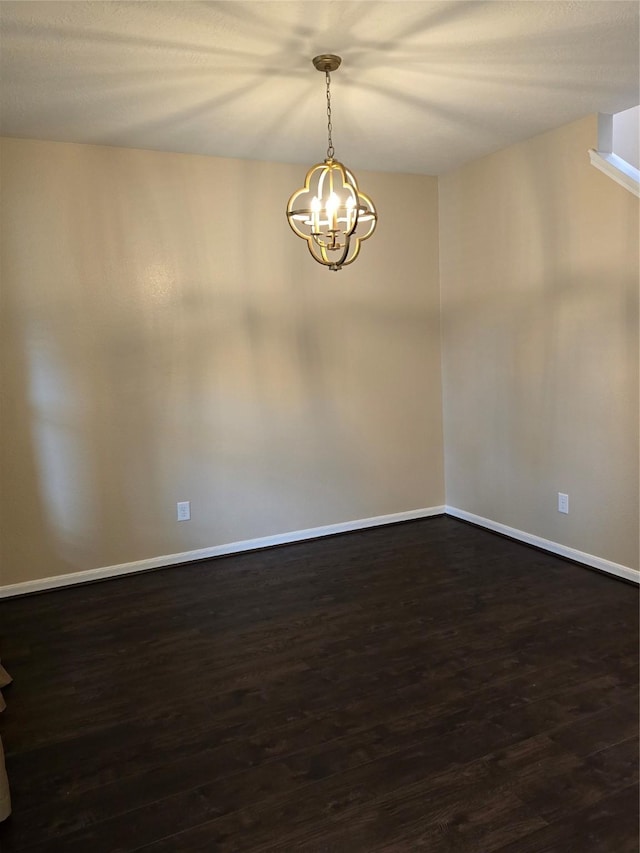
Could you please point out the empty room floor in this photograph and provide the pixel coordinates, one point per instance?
(423, 686)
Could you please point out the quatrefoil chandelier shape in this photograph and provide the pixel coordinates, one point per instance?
(329, 211)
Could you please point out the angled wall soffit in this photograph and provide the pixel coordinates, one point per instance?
(606, 161)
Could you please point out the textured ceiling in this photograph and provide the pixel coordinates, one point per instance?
(424, 86)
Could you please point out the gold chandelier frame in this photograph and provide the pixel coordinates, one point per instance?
(337, 217)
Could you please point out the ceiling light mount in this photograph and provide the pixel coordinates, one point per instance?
(329, 211)
(327, 62)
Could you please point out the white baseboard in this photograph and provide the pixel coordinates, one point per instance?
(215, 551)
(555, 548)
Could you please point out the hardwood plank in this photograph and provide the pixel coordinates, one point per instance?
(428, 685)
(611, 826)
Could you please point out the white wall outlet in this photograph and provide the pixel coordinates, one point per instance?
(184, 510)
(563, 502)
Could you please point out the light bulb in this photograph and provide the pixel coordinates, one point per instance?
(333, 203)
(315, 215)
(350, 212)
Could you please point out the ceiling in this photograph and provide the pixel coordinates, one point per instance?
(424, 86)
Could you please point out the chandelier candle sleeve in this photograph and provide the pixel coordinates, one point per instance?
(329, 211)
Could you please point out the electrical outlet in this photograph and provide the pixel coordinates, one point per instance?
(184, 510)
(563, 502)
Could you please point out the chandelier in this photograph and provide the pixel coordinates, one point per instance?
(329, 211)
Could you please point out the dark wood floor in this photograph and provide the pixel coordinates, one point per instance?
(425, 686)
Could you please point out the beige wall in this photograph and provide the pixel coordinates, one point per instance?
(153, 352)
(167, 337)
(539, 280)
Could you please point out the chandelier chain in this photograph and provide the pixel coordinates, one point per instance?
(330, 148)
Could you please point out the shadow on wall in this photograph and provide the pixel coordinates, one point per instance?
(542, 351)
(25, 504)
(163, 359)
